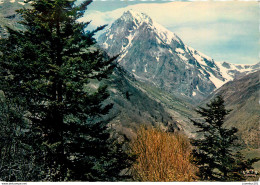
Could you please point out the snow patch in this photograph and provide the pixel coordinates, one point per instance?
(145, 68)
(129, 38)
(228, 73)
(194, 51)
(243, 67)
(22, 3)
(138, 17)
(202, 72)
(105, 45)
(183, 94)
(182, 57)
(200, 59)
(198, 56)
(122, 56)
(225, 72)
(166, 35)
(113, 90)
(179, 50)
(217, 82)
(197, 87)
(111, 36)
(158, 40)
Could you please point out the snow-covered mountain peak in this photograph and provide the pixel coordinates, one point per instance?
(132, 21)
(166, 35)
(138, 17)
(154, 54)
(230, 71)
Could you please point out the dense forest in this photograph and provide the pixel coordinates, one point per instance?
(54, 127)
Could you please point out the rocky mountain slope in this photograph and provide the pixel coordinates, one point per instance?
(235, 71)
(136, 103)
(155, 55)
(8, 16)
(242, 97)
(159, 70)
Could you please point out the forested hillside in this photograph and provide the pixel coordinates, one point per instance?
(124, 108)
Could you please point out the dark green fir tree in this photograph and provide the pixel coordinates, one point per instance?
(48, 67)
(15, 161)
(215, 153)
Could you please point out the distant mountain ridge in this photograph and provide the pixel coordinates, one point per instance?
(242, 97)
(134, 104)
(156, 55)
(153, 54)
(133, 107)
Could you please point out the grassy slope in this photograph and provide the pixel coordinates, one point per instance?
(242, 96)
(136, 103)
(146, 104)
(132, 107)
(180, 109)
(251, 153)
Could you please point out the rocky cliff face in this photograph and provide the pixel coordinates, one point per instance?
(155, 55)
(8, 16)
(135, 105)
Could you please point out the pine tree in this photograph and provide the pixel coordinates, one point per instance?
(15, 158)
(47, 67)
(214, 152)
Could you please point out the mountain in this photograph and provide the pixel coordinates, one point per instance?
(157, 70)
(236, 71)
(242, 97)
(135, 104)
(157, 56)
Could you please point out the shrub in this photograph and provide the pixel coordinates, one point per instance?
(162, 156)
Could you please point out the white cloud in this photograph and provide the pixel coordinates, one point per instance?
(214, 32)
(186, 12)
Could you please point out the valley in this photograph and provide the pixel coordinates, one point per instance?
(157, 81)
(181, 78)
(161, 81)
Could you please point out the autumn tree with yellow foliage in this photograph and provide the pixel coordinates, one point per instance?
(162, 156)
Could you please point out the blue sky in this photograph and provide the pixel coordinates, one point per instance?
(225, 31)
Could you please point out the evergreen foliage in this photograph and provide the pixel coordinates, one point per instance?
(47, 68)
(214, 153)
(15, 163)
